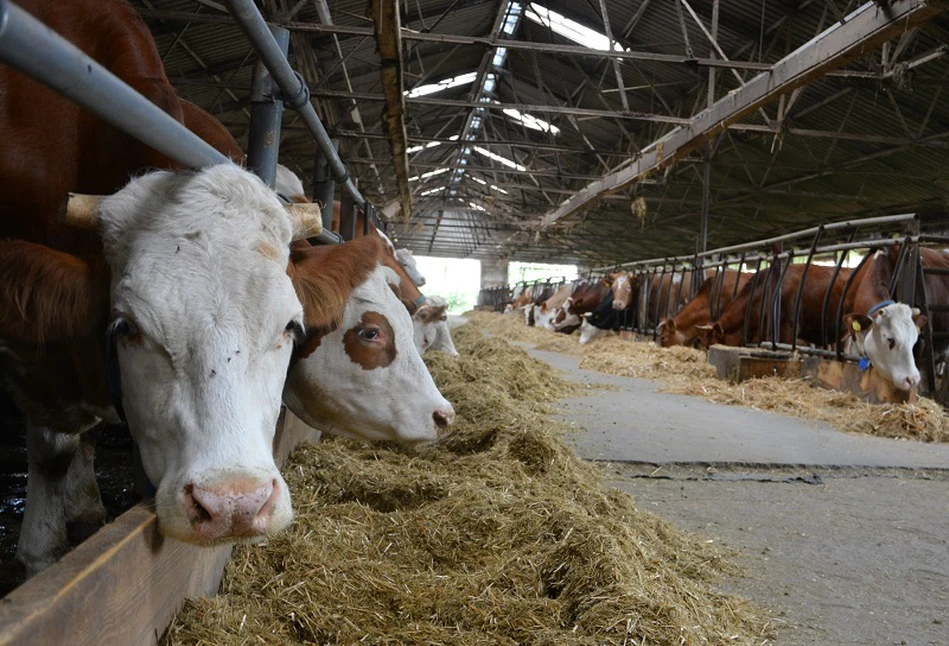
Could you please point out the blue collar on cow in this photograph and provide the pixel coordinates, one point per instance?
(864, 363)
(879, 306)
(418, 302)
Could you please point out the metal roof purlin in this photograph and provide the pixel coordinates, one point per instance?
(866, 27)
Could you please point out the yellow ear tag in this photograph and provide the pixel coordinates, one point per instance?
(856, 326)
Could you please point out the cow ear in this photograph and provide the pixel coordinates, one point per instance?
(920, 320)
(857, 323)
(587, 315)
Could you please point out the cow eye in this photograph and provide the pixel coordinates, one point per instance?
(368, 333)
(124, 328)
(891, 343)
(294, 329)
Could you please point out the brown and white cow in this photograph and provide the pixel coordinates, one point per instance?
(885, 331)
(585, 298)
(358, 372)
(546, 312)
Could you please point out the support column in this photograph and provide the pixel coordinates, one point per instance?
(266, 113)
(493, 273)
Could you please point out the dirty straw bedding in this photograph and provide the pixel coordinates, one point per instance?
(685, 371)
(501, 535)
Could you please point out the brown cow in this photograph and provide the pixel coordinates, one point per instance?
(684, 328)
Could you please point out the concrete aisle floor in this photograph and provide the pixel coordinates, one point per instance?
(844, 538)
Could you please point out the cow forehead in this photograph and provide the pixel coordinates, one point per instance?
(222, 208)
(189, 253)
(896, 321)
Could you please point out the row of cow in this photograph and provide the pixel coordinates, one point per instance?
(189, 304)
(736, 308)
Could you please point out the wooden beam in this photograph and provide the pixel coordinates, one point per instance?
(389, 42)
(865, 29)
(125, 583)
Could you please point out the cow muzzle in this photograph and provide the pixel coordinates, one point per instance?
(231, 509)
(443, 419)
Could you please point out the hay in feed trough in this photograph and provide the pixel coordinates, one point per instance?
(500, 536)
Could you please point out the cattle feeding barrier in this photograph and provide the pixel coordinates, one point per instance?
(137, 578)
(665, 285)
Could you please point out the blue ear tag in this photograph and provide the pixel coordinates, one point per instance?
(863, 364)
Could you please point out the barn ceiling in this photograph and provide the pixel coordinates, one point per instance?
(531, 110)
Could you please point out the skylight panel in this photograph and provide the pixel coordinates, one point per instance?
(498, 158)
(444, 84)
(570, 29)
(530, 121)
(476, 206)
(431, 173)
(432, 191)
(492, 186)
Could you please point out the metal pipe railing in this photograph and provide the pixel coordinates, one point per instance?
(32, 48)
(747, 246)
(296, 94)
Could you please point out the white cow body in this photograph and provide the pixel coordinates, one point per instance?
(204, 317)
(390, 395)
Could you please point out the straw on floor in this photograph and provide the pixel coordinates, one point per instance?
(501, 535)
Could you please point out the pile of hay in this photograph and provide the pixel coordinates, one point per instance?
(502, 535)
(685, 371)
(513, 328)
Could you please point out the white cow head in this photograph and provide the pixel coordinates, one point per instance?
(431, 327)
(588, 331)
(886, 338)
(204, 320)
(361, 376)
(407, 260)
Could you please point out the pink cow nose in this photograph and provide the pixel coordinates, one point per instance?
(617, 305)
(912, 381)
(443, 419)
(230, 509)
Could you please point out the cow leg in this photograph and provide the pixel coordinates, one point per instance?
(57, 462)
(85, 513)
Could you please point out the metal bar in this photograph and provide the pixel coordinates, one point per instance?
(830, 354)
(324, 188)
(32, 48)
(829, 292)
(865, 28)
(800, 288)
(294, 89)
(840, 306)
(263, 139)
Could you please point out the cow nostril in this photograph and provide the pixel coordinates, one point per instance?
(443, 419)
(200, 514)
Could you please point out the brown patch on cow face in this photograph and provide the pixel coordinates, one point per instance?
(371, 343)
